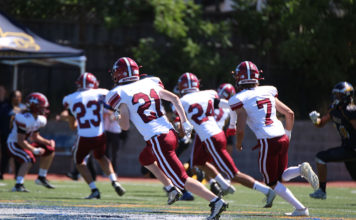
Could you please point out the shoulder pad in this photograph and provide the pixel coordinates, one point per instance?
(42, 120)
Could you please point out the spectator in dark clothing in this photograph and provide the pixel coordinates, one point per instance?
(8, 109)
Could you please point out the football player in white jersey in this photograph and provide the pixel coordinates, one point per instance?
(222, 116)
(256, 106)
(87, 105)
(140, 101)
(26, 126)
(209, 150)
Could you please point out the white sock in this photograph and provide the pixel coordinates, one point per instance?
(290, 173)
(211, 181)
(260, 187)
(169, 187)
(287, 195)
(222, 182)
(92, 185)
(112, 177)
(19, 179)
(42, 172)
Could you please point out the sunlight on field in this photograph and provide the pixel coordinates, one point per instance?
(148, 201)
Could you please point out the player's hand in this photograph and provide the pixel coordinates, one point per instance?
(239, 147)
(314, 115)
(230, 132)
(38, 151)
(58, 117)
(185, 139)
(52, 143)
(117, 114)
(187, 128)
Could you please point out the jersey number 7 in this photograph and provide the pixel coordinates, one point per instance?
(267, 102)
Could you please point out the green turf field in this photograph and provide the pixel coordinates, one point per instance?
(146, 200)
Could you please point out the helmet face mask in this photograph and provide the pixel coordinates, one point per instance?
(37, 103)
(342, 94)
(125, 70)
(187, 83)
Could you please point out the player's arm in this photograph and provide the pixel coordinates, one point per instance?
(39, 139)
(319, 121)
(287, 112)
(23, 143)
(65, 115)
(174, 99)
(240, 128)
(124, 117)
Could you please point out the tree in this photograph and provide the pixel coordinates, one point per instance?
(312, 42)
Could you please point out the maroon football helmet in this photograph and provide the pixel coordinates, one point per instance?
(247, 73)
(124, 70)
(86, 81)
(37, 103)
(226, 90)
(187, 83)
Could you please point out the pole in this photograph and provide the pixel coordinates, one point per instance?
(14, 82)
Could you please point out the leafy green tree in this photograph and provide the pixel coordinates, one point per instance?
(186, 42)
(309, 45)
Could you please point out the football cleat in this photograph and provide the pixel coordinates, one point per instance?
(318, 194)
(298, 212)
(118, 188)
(307, 172)
(73, 176)
(217, 208)
(187, 196)
(19, 188)
(95, 194)
(229, 190)
(216, 189)
(174, 195)
(41, 180)
(271, 195)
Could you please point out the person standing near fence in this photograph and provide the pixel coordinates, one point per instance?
(114, 139)
(9, 109)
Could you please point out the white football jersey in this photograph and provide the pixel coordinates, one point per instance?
(199, 108)
(221, 115)
(260, 105)
(144, 104)
(87, 107)
(26, 122)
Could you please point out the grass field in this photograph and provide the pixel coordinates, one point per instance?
(147, 200)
